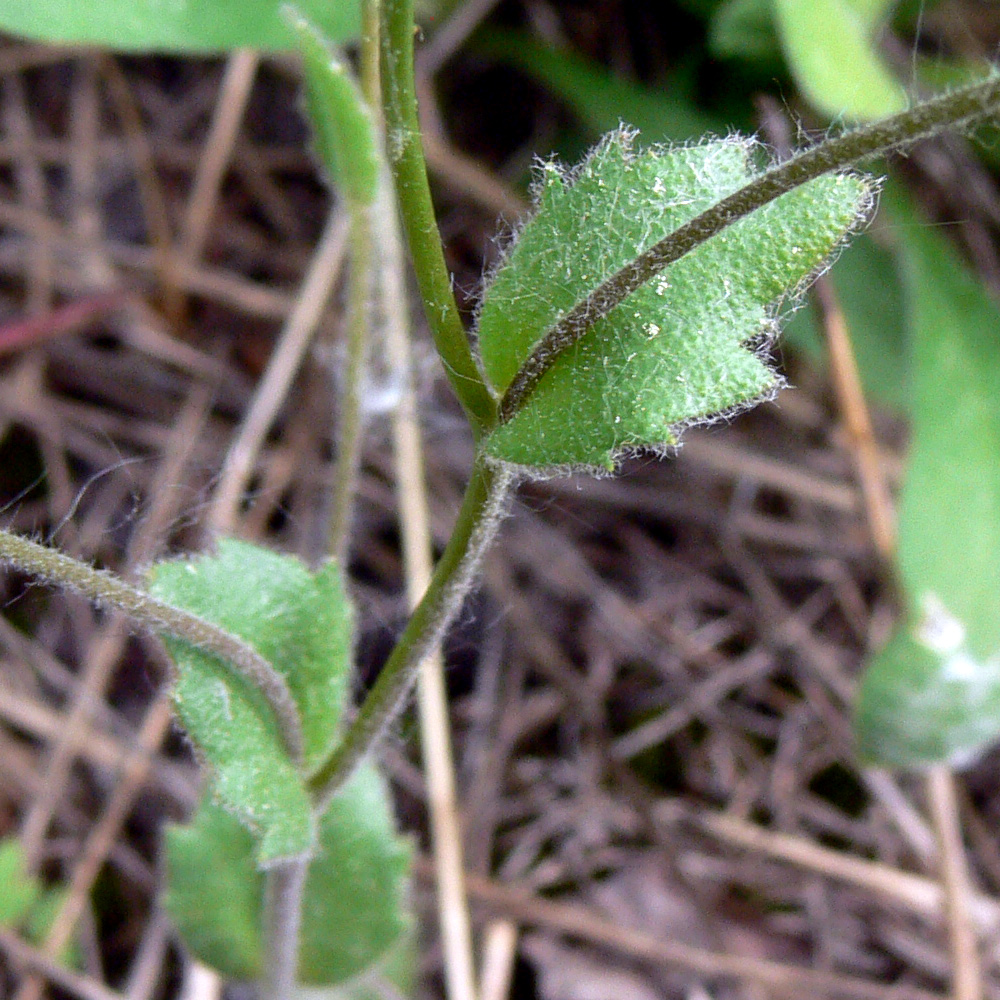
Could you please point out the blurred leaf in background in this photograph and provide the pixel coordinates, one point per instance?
(822, 40)
(933, 693)
(187, 26)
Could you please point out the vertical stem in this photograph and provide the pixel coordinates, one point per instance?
(432, 700)
(284, 887)
(349, 423)
(406, 158)
(454, 573)
(371, 74)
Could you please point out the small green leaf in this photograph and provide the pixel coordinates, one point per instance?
(187, 26)
(747, 28)
(25, 905)
(214, 891)
(744, 29)
(829, 46)
(21, 891)
(685, 347)
(341, 120)
(357, 882)
(934, 693)
(872, 13)
(354, 910)
(300, 622)
(40, 920)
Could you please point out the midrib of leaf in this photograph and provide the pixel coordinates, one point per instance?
(839, 153)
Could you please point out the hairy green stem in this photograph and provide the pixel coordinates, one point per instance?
(453, 577)
(406, 158)
(284, 888)
(838, 153)
(349, 423)
(108, 590)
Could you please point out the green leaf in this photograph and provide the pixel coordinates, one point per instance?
(341, 120)
(214, 891)
(39, 922)
(25, 905)
(872, 13)
(829, 47)
(300, 622)
(744, 29)
(924, 700)
(354, 910)
(747, 29)
(934, 693)
(683, 348)
(357, 882)
(21, 890)
(188, 26)
(601, 99)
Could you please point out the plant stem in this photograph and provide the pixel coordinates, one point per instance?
(410, 172)
(350, 424)
(474, 529)
(284, 887)
(108, 590)
(839, 153)
(371, 73)
(360, 308)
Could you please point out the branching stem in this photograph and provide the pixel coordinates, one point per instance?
(108, 590)
(838, 153)
(454, 573)
(406, 159)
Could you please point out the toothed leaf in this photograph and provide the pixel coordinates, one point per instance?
(300, 622)
(355, 907)
(684, 347)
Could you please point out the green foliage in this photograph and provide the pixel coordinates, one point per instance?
(26, 905)
(300, 622)
(747, 28)
(681, 349)
(214, 891)
(21, 890)
(829, 46)
(744, 29)
(355, 901)
(342, 122)
(934, 692)
(187, 26)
